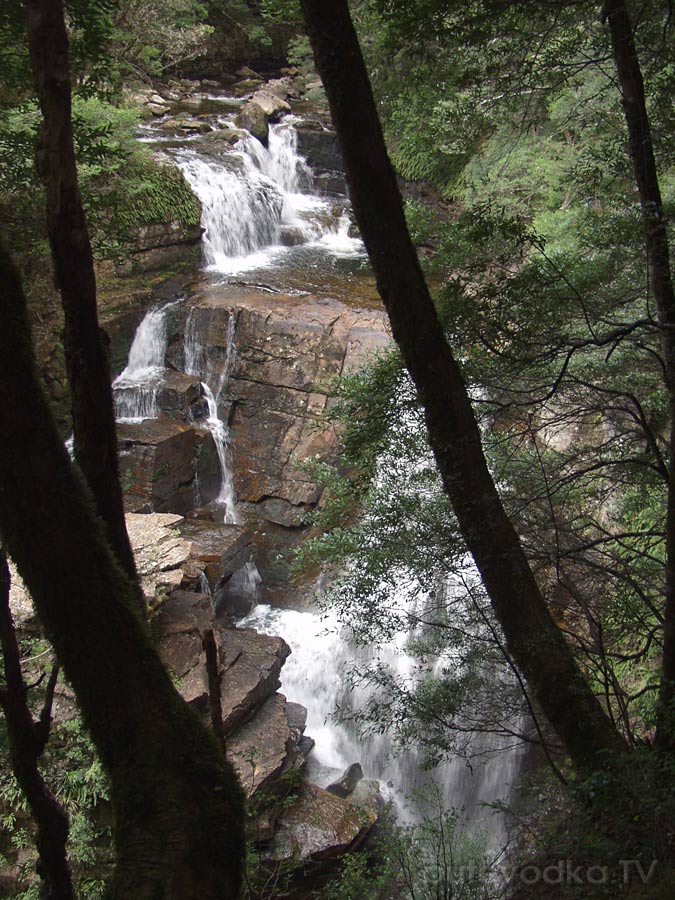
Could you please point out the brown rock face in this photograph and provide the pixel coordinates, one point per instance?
(159, 459)
(289, 350)
(251, 664)
(266, 748)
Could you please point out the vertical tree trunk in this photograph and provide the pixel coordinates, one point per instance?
(178, 805)
(534, 641)
(26, 745)
(641, 151)
(86, 353)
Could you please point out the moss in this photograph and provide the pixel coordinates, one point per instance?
(154, 194)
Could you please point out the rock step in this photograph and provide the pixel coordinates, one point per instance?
(320, 826)
(266, 747)
(250, 662)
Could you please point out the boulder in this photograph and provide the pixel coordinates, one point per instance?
(254, 119)
(219, 549)
(238, 592)
(251, 664)
(247, 72)
(319, 826)
(180, 625)
(265, 749)
(157, 464)
(346, 783)
(181, 396)
(283, 88)
(157, 109)
(319, 146)
(272, 104)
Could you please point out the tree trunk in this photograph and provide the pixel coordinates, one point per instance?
(177, 803)
(85, 350)
(534, 641)
(641, 151)
(26, 744)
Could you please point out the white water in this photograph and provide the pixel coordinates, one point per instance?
(135, 389)
(317, 675)
(254, 198)
(213, 372)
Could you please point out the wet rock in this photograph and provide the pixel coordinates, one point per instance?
(320, 147)
(225, 135)
(181, 623)
(265, 749)
(270, 103)
(247, 72)
(157, 109)
(157, 245)
(320, 826)
(219, 549)
(283, 87)
(237, 593)
(367, 796)
(292, 236)
(247, 86)
(333, 184)
(254, 119)
(181, 396)
(157, 464)
(149, 237)
(289, 351)
(346, 783)
(251, 664)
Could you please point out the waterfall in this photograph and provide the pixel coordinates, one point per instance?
(256, 202)
(135, 389)
(317, 675)
(213, 373)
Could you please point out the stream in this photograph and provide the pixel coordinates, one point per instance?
(263, 222)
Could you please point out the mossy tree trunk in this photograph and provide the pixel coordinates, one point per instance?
(27, 740)
(84, 343)
(178, 806)
(535, 642)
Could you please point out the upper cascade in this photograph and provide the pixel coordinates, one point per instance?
(257, 200)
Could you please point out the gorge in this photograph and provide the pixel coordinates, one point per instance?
(220, 404)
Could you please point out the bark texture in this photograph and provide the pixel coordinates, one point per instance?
(533, 639)
(178, 806)
(27, 741)
(641, 149)
(85, 349)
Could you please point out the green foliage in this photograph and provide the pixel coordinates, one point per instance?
(73, 773)
(434, 860)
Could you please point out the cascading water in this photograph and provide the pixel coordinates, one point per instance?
(256, 201)
(317, 675)
(135, 389)
(257, 208)
(213, 373)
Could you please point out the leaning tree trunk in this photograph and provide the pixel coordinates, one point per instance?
(534, 641)
(85, 350)
(178, 806)
(641, 151)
